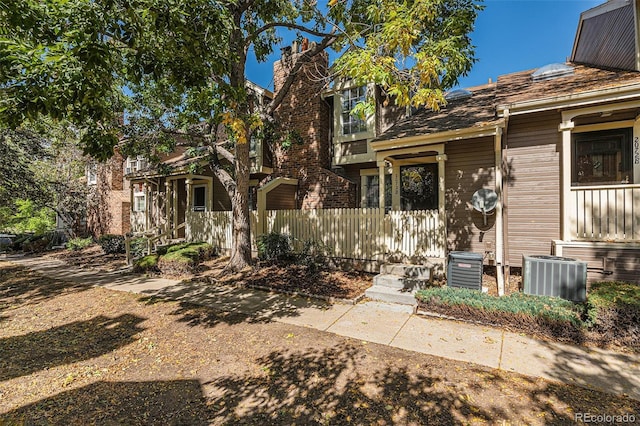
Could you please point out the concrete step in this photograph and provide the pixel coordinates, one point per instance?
(399, 283)
(391, 295)
(421, 272)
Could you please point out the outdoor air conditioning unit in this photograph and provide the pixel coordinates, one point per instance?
(555, 276)
(464, 270)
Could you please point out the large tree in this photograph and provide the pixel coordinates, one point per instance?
(179, 67)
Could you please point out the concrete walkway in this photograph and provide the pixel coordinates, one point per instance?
(387, 324)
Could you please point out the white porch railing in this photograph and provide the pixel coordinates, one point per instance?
(606, 213)
(364, 234)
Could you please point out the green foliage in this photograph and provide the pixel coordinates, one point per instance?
(611, 296)
(27, 217)
(415, 50)
(188, 252)
(112, 244)
(77, 244)
(179, 67)
(551, 308)
(274, 247)
(138, 247)
(147, 263)
(290, 138)
(314, 255)
(185, 256)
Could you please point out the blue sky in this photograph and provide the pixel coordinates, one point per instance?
(510, 36)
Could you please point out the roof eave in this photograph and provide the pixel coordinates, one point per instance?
(573, 100)
(488, 129)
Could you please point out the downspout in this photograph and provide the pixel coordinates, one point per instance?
(499, 212)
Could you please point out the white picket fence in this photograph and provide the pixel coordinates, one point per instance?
(363, 234)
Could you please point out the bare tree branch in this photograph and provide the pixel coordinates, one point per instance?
(249, 39)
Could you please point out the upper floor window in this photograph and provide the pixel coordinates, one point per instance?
(602, 157)
(350, 98)
(135, 164)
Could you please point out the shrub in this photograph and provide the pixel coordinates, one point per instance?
(138, 247)
(76, 244)
(314, 255)
(551, 309)
(274, 247)
(613, 313)
(176, 259)
(36, 243)
(112, 244)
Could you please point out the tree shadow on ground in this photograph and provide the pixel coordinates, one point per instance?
(334, 386)
(325, 387)
(211, 304)
(19, 286)
(619, 373)
(76, 341)
(175, 402)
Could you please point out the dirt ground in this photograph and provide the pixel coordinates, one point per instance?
(77, 355)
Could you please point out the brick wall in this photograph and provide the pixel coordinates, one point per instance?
(109, 202)
(305, 118)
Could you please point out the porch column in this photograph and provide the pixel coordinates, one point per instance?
(167, 204)
(499, 218)
(567, 203)
(210, 203)
(147, 212)
(174, 190)
(131, 186)
(395, 186)
(636, 150)
(441, 158)
(188, 183)
(381, 169)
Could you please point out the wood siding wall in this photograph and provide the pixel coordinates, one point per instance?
(221, 200)
(282, 198)
(469, 167)
(623, 263)
(533, 185)
(608, 40)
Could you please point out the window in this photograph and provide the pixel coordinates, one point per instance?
(135, 164)
(350, 123)
(92, 174)
(139, 202)
(371, 192)
(419, 187)
(602, 158)
(199, 198)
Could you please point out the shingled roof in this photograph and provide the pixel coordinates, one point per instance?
(475, 111)
(519, 87)
(481, 108)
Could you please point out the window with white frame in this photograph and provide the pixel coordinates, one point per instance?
(371, 191)
(350, 98)
(139, 201)
(602, 157)
(92, 174)
(135, 164)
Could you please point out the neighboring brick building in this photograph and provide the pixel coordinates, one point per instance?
(109, 209)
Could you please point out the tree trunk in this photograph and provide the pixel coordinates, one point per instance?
(241, 247)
